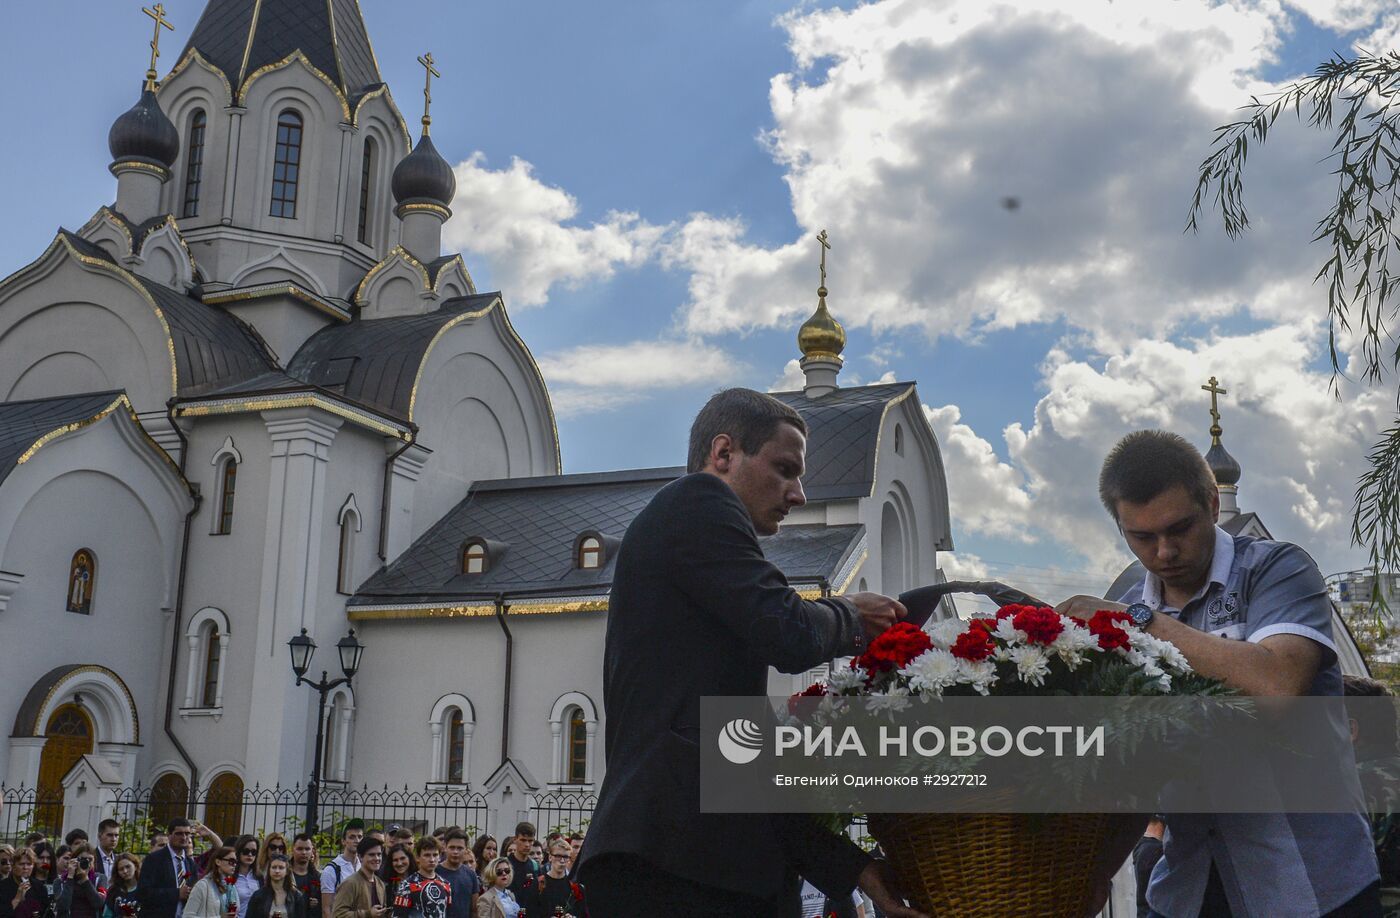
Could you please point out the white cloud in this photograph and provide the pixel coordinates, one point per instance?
(520, 227)
(926, 116)
(1301, 448)
(601, 377)
(792, 378)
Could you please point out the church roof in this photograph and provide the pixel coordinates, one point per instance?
(213, 348)
(240, 36)
(843, 433)
(24, 423)
(375, 362)
(532, 526)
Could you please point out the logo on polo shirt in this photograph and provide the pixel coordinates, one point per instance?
(1224, 608)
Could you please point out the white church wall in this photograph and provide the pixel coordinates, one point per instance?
(481, 410)
(376, 120)
(99, 333)
(90, 490)
(413, 664)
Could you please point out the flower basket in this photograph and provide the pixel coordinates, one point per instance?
(1004, 865)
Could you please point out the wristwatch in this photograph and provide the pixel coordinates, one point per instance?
(1140, 613)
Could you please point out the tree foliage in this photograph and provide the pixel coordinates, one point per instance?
(1358, 101)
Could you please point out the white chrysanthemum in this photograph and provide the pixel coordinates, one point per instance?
(931, 671)
(892, 700)
(1147, 664)
(979, 675)
(1009, 632)
(1174, 658)
(1073, 643)
(831, 708)
(1032, 664)
(845, 678)
(945, 633)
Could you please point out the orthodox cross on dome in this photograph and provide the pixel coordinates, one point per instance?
(1215, 390)
(821, 239)
(158, 14)
(427, 62)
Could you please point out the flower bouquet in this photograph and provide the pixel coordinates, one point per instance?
(998, 865)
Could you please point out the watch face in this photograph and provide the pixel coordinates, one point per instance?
(1140, 612)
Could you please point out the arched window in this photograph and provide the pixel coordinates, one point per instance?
(82, 578)
(194, 165)
(286, 165)
(898, 440)
(474, 559)
(366, 180)
(213, 654)
(456, 747)
(208, 637)
(228, 483)
(223, 805)
(169, 796)
(590, 553)
(349, 525)
(577, 766)
(340, 715)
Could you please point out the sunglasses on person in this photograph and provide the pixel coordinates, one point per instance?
(249, 852)
(282, 848)
(228, 860)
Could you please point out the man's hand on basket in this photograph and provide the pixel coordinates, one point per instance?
(877, 613)
(877, 880)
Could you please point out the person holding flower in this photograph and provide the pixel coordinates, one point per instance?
(123, 896)
(1255, 614)
(215, 895)
(23, 895)
(696, 609)
(552, 893)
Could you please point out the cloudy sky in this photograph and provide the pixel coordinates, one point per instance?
(1005, 186)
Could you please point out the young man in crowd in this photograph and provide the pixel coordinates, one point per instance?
(345, 863)
(424, 894)
(159, 839)
(362, 893)
(523, 868)
(168, 874)
(462, 880)
(305, 876)
(1255, 614)
(553, 890)
(109, 831)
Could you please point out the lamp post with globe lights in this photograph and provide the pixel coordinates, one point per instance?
(302, 647)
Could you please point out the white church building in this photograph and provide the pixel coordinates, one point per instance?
(252, 396)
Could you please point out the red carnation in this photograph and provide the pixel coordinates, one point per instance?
(815, 690)
(577, 891)
(899, 644)
(974, 645)
(1008, 611)
(1104, 626)
(1042, 625)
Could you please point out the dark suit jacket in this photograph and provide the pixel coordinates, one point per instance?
(696, 609)
(260, 904)
(159, 894)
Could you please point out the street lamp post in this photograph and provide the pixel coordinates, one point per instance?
(302, 648)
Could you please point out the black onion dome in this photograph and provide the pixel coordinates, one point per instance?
(1226, 467)
(424, 175)
(144, 133)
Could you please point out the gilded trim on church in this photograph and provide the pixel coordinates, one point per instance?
(397, 253)
(120, 403)
(123, 165)
(425, 207)
(194, 55)
(522, 607)
(389, 100)
(263, 291)
(252, 403)
(880, 436)
(442, 272)
(447, 327)
(39, 727)
(296, 57)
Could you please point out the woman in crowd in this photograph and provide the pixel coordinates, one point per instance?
(76, 894)
(122, 898)
(246, 879)
(43, 866)
(215, 896)
(484, 851)
(22, 896)
(7, 861)
(498, 901)
(273, 843)
(395, 869)
(278, 898)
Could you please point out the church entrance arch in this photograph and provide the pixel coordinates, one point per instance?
(68, 737)
(70, 708)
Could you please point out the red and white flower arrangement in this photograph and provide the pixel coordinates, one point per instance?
(1022, 650)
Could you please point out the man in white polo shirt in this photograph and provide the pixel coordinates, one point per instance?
(344, 865)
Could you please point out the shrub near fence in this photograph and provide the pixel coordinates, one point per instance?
(257, 811)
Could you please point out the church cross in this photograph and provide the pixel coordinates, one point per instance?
(158, 14)
(427, 62)
(1215, 390)
(821, 239)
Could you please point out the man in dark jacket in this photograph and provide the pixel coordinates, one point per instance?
(697, 610)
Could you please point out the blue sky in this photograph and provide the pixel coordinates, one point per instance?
(643, 180)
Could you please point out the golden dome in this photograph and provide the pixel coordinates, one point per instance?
(821, 335)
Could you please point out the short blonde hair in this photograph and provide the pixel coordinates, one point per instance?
(492, 870)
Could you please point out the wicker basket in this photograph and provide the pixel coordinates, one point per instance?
(995, 865)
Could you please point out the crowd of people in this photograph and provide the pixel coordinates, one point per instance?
(190, 872)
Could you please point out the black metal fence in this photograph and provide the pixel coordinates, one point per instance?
(562, 811)
(253, 810)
